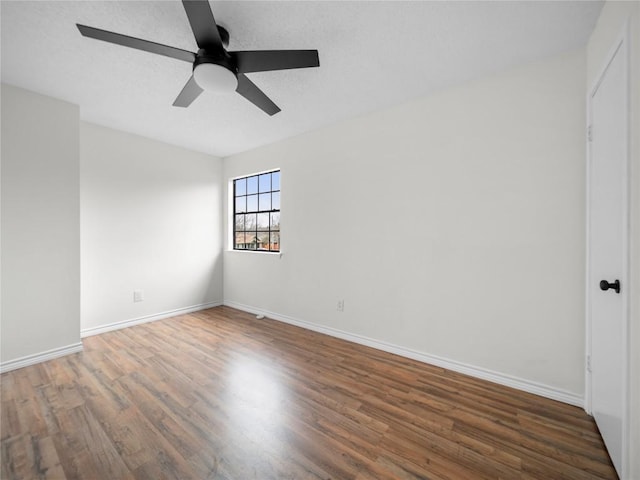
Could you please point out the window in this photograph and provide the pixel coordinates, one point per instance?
(256, 212)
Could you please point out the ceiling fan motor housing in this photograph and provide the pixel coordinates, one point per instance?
(215, 70)
(223, 59)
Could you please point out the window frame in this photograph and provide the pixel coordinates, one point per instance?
(256, 229)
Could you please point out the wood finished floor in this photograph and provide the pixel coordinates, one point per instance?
(220, 395)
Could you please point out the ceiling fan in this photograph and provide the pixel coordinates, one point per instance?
(215, 68)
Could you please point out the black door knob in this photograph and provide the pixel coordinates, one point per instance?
(604, 285)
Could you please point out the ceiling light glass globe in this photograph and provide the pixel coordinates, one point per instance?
(215, 78)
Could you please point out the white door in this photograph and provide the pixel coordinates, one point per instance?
(608, 233)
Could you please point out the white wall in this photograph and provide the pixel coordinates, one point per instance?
(150, 220)
(609, 27)
(40, 226)
(452, 225)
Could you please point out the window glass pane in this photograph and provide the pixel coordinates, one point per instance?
(275, 200)
(241, 204)
(263, 221)
(265, 182)
(263, 241)
(256, 222)
(239, 223)
(275, 241)
(250, 222)
(252, 185)
(264, 201)
(239, 240)
(252, 203)
(275, 221)
(241, 186)
(252, 241)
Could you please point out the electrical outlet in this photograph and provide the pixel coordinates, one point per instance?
(340, 307)
(138, 296)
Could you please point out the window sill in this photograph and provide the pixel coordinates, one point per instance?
(255, 252)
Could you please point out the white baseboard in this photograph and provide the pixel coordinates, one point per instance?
(478, 372)
(87, 332)
(40, 357)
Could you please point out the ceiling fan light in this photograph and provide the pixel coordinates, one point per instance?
(215, 78)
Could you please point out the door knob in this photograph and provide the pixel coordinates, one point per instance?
(604, 285)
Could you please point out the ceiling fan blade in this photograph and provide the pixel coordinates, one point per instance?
(189, 93)
(203, 24)
(248, 90)
(136, 43)
(265, 60)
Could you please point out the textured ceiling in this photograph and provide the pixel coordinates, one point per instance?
(372, 55)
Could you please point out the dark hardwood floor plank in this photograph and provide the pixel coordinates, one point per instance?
(429, 463)
(398, 469)
(218, 394)
(9, 420)
(14, 461)
(540, 459)
(38, 376)
(31, 418)
(45, 463)
(564, 432)
(92, 445)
